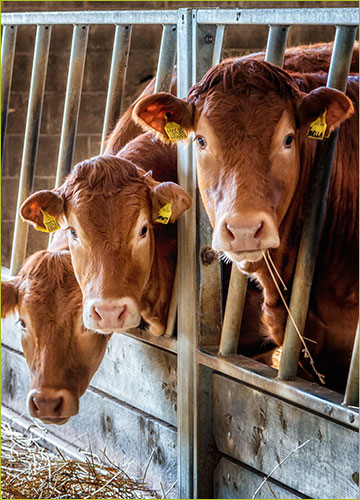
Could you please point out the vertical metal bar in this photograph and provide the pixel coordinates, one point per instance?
(187, 335)
(276, 44)
(7, 64)
(72, 102)
(166, 61)
(207, 49)
(233, 312)
(316, 205)
(32, 130)
(118, 71)
(351, 397)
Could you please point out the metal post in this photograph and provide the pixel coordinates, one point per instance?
(7, 64)
(32, 130)
(118, 71)
(187, 335)
(233, 312)
(207, 49)
(276, 44)
(72, 102)
(166, 61)
(351, 397)
(310, 239)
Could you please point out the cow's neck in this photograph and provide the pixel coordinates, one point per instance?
(155, 300)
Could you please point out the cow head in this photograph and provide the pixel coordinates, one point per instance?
(61, 355)
(249, 120)
(110, 209)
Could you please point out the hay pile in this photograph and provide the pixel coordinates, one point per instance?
(30, 471)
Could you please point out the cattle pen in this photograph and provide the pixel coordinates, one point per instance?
(188, 407)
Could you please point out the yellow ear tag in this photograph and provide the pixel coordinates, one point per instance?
(164, 214)
(317, 128)
(50, 223)
(174, 131)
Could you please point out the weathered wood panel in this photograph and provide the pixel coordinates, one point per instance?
(128, 435)
(260, 431)
(139, 374)
(235, 481)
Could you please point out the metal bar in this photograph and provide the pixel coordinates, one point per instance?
(233, 312)
(316, 205)
(166, 62)
(276, 44)
(118, 71)
(7, 64)
(32, 130)
(72, 102)
(187, 331)
(311, 396)
(218, 44)
(330, 16)
(92, 17)
(351, 397)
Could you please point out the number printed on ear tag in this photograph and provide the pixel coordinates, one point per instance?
(164, 214)
(318, 127)
(50, 223)
(173, 130)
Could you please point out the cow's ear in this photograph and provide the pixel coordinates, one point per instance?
(9, 298)
(337, 105)
(154, 112)
(33, 208)
(169, 200)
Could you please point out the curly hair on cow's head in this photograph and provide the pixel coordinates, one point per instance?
(101, 175)
(241, 77)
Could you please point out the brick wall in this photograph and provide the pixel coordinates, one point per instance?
(142, 66)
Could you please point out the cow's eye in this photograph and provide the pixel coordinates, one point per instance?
(201, 141)
(288, 140)
(22, 324)
(73, 233)
(143, 231)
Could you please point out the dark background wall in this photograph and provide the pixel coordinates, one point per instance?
(142, 66)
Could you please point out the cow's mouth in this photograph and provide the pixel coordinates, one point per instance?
(55, 420)
(245, 256)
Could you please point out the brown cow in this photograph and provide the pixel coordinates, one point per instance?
(61, 354)
(123, 258)
(254, 161)
(306, 58)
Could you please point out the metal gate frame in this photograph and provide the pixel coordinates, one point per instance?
(199, 36)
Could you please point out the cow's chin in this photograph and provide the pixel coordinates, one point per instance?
(242, 258)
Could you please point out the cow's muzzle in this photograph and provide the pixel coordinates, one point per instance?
(52, 406)
(111, 315)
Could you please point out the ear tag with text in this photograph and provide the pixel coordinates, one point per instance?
(50, 223)
(317, 128)
(173, 130)
(164, 214)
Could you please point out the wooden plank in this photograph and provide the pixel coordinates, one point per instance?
(261, 430)
(233, 480)
(129, 435)
(137, 373)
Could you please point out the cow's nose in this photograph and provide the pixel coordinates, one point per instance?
(52, 406)
(255, 232)
(46, 406)
(112, 315)
(106, 315)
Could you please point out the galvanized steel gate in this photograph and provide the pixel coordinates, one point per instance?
(213, 382)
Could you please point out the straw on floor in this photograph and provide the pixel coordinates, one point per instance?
(30, 471)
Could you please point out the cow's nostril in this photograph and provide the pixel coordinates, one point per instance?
(122, 312)
(230, 234)
(58, 406)
(96, 313)
(259, 231)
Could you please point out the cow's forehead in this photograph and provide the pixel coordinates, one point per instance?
(109, 217)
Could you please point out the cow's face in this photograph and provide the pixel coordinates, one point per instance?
(247, 135)
(110, 211)
(61, 355)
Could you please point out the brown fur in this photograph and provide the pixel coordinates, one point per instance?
(60, 353)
